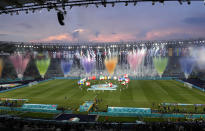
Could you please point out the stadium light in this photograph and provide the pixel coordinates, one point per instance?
(104, 4)
(60, 18)
(113, 4)
(65, 12)
(33, 11)
(180, 2)
(135, 3)
(161, 1)
(63, 6)
(153, 3)
(188, 2)
(55, 6)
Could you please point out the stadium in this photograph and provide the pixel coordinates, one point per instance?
(99, 85)
(130, 80)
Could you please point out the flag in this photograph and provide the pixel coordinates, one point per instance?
(127, 80)
(105, 77)
(83, 80)
(65, 54)
(81, 83)
(125, 75)
(58, 55)
(170, 52)
(90, 78)
(93, 77)
(120, 79)
(101, 77)
(108, 77)
(115, 78)
(50, 54)
(87, 83)
(110, 84)
(54, 54)
(123, 83)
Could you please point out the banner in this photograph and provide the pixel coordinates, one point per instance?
(170, 52)
(40, 106)
(129, 110)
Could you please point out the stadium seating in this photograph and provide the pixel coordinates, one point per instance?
(129, 110)
(198, 82)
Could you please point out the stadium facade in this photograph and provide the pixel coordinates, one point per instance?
(173, 51)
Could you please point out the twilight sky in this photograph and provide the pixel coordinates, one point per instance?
(121, 23)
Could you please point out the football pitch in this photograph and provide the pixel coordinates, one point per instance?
(139, 93)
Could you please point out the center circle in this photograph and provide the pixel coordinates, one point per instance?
(103, 87)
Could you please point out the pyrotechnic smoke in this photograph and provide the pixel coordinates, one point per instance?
(42, 64)
(1, 66)
(20, 62)
(66, 66)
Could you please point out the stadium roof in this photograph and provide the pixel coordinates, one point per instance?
(10, 6)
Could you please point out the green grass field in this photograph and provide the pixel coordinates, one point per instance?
(140, 93)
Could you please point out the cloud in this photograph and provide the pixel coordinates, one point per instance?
(25, 25)
(172, 33)
(88, 36)
(199, 21)
(112, 37)
(79, 30)
(76, 33)
(104, 36)
(54, 38)
(97, 33)
(2, 34)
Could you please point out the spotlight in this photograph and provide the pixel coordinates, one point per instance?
(17, 13)
(180, 2)
(49, 6)
(153, 3)
(60, 18)
(96, 5)
(113, 4)
(63, 6)
(188, 2)
(104, 4)
(135, 3)
(65, 12)
(55, 6)
(161, 1)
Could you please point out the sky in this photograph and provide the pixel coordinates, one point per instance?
(111, 24)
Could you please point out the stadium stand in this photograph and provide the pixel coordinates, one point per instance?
(196, 81)
(18, 124)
